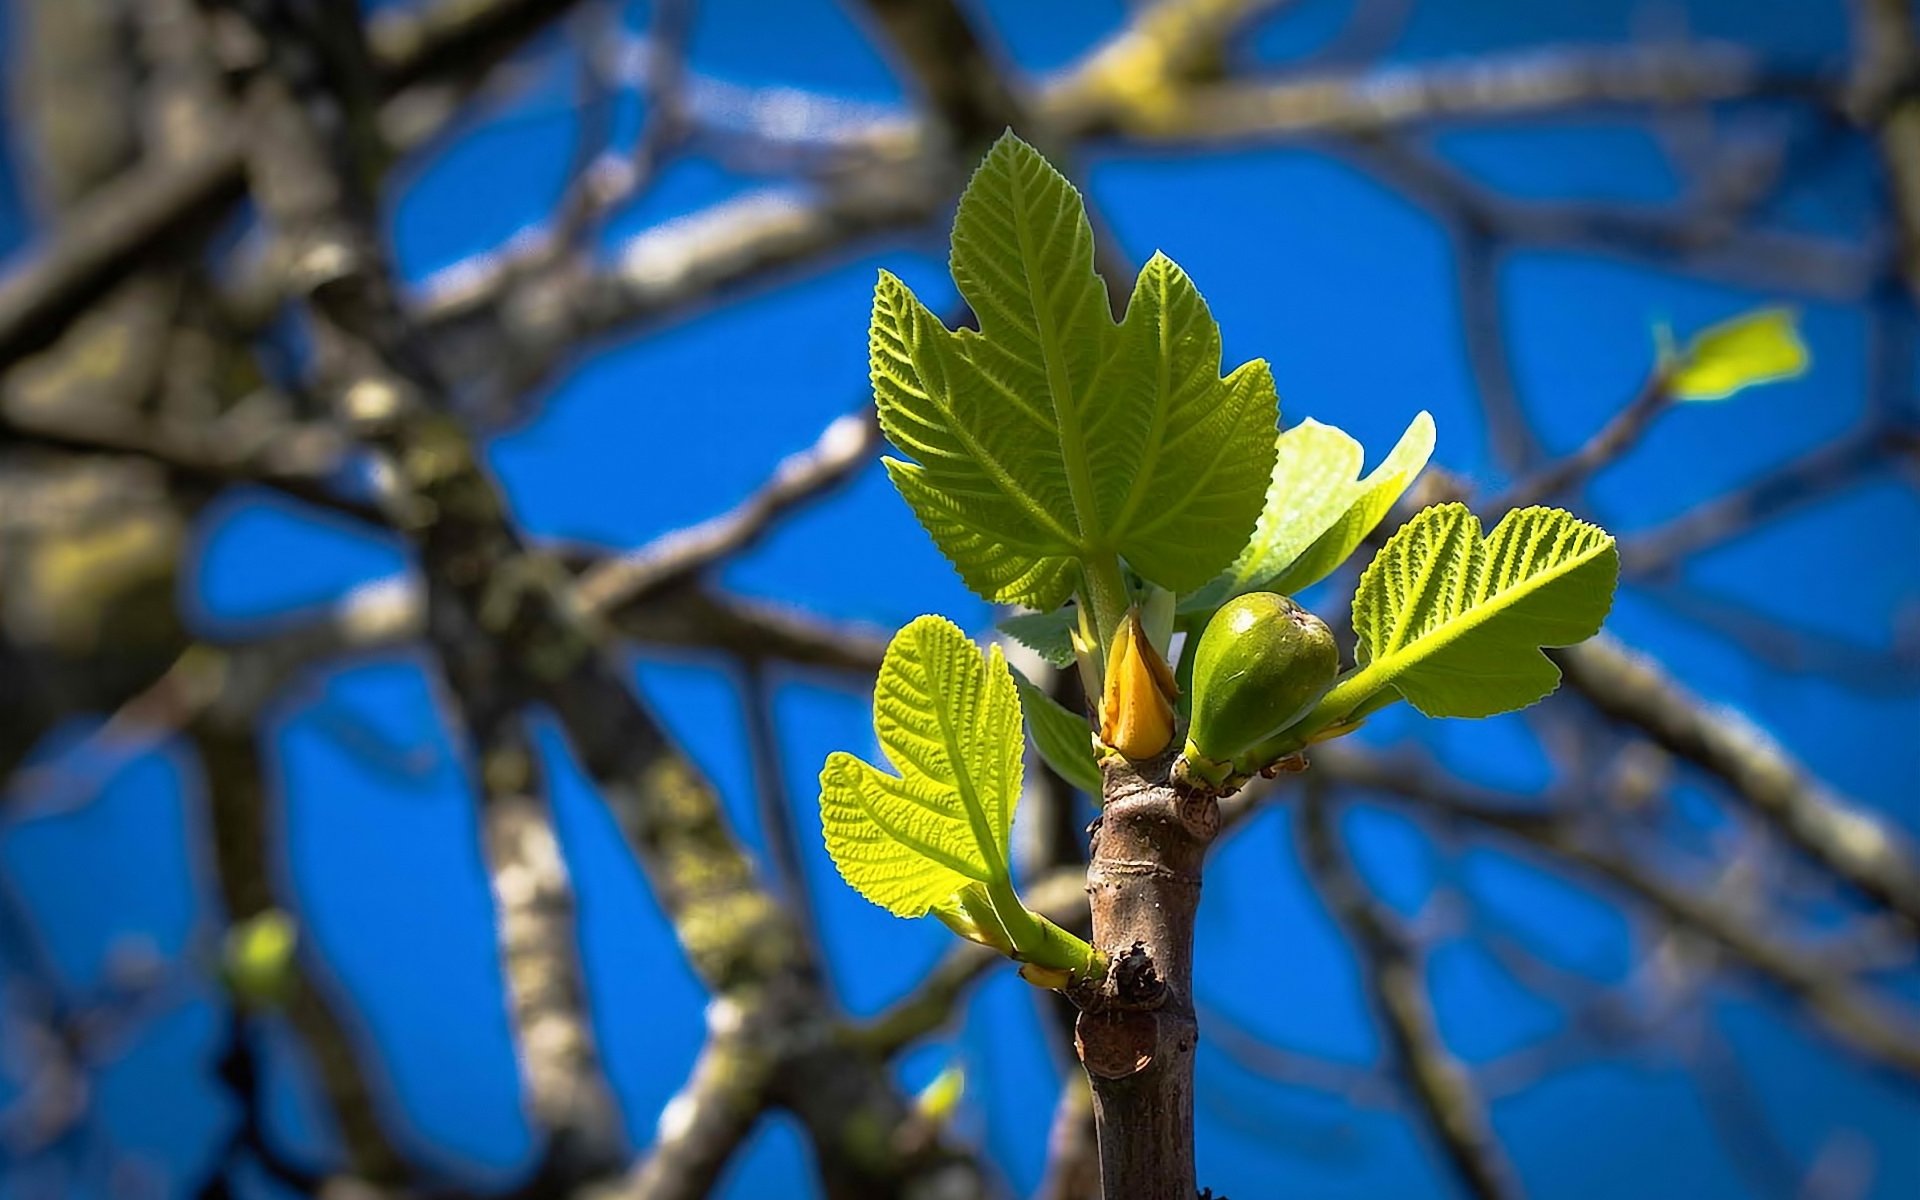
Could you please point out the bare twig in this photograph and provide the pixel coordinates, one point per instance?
(117, 229)
(1060, 897)
(1372, 101)
(302, 460)
(707, 1119)
(964, 87)
(245, 857)
(1858, 847)
(1882, 97)
(1393, 969)
(775, 806)
(1880, 1031)
(843, 448)
(567, 1096)
(229, 683)
(1817, 474)
(1361, 1087)
(754, 629)
(1612, 441)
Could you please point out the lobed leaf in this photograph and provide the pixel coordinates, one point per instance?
(1056, 436)
(1456, 624)
(1318, 509)
(1371, 499)
(949, 723)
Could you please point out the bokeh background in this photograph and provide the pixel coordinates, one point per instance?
(1617, 1057)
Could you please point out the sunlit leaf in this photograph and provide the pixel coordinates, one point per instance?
(1318, 509)
(1054, 436)
(1759, 347)
(1369, 501)
(950, 724)
(1455, 623)
(935, 837)
(938, 1101)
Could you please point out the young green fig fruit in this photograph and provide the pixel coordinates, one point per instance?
(1136, 711)
(1262, 662)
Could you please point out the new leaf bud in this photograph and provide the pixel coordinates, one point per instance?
(1136, 711)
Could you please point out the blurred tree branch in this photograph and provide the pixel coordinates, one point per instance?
(1394, 968)
(141, 377)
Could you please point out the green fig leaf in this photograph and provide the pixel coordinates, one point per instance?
(1049, 634)
(1456, 624)
(1758, 347)
(1055, 439)
(950, 724)
(1318, 509)
(1372, 498)
(935, 837)
(1063, 738)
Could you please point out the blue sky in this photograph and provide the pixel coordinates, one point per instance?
(1348, 288)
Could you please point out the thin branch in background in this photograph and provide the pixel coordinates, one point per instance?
(748, 628)
(1516, 446)
(1360, 1087)
(300, 461)
(1880, 97)
(506, 283)
(961, 80)
(1393, 969)
(1073, 1156)
(842, 449)
(1884, 1033)
(1791, 648)
(228, 683)
(1812, 477)
(1634, 1018)
(1372, 28)
(117, 230)
(239, 1069)
(1741, 1121)
(1610, 443)
(935, 1001)
(707, 1120)
(1477, 251)
(1712, 234)
(244, 859)
(1860, 848)
(1490, 86)
(567, 1096)
(774, 804)
(414, 43)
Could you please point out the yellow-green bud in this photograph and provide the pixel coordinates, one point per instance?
(1136, 712)
(257, 959)
(1261, 664)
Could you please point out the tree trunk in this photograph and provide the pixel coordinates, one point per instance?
(1137, 1033)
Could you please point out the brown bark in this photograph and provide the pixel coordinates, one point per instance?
(1137, 1033)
